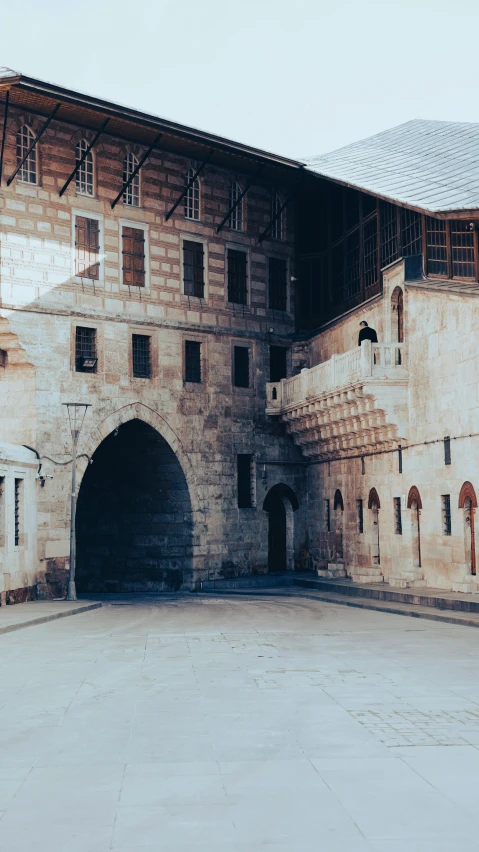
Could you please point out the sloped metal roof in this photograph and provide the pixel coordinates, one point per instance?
(428, 165)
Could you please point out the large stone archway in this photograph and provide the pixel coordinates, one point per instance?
(134, 514)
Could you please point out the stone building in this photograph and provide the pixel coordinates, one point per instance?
(204, 299)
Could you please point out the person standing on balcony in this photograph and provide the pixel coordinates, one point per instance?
(366, 333)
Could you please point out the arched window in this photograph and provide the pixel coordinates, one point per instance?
(414, 503)
(131, 195)
(277, 217)
(397, 315)
(236, 217)
(28, 172)
(468, 503)
(192, 197)
(338, 505)
(374, 506)
(84, 176)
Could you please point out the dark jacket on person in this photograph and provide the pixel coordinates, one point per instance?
(367, 333)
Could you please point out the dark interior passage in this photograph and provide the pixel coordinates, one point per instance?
(134, 521)
(277, 535)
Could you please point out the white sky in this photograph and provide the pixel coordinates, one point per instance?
(296, 77)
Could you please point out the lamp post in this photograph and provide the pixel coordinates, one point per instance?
(76, 416)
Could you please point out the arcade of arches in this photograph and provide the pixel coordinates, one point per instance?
(134, 518)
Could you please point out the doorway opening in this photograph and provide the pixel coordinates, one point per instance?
(134, 517)
(468, 503)
(374, 506)
(338, 506)
(280, 503)
(414, 503)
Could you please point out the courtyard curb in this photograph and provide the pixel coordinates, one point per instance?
(53, 616)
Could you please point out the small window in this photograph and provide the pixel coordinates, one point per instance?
(18, 510)
(192, 197)
(84, 176)
(85, 350)
(436, 246)
(462, 250)
(447, 450)
(245, 481)
(241, 367)
(87, 248)
(141, 356)
(3, 358)
(133, 256)
(327, 515)
(276, 229)
(397, 516)
(193, 269)
(277, 363)
(360, 513)
(411, 226)
(28, 172)
(237, 277)
(446, 514)
(131, 195)
(236, 216)
(277, 286)
(193, 361)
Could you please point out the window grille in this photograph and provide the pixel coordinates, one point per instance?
(337, 281)
(28, 172)
(277, 284)
(237, 279)
(462, 250)
(193, 268)
(85, 350)
(133, 256)
(236, 217)
(411, 232)
(84, 175)
(141, 356)
(397, 516)
(276, 230)
(369, 205)
(353, 277)
(131, 195)
(327, 515)
(447, 450)
(241, 367)
(370, 253)
(277, 363)
(352, 209)
(446, 514)
(436, 242)
(193, 361)
(192, 197)
(360, 510)
(18, 511)
(245, 496)
(87, 248)
(389, 235)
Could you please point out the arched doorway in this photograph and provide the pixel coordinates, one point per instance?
(280, 503)
(338, 506)
(414, 503)
(397, 319)
(468, 503)
(374, 506)
(134, 518)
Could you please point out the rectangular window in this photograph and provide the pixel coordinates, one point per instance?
(244, 465)
(277, 363)
(241, 367)
(18, 512)
(462, 249)
(327, 515)
(389, 235)
(2, 511)
(359, 506)
(446, 514)
(411, 232)
(237, 277)
(397, 516)
(436, 246)
(193, 268)
(87, 248)
(192, 361)
(86, 359)
(447, 450)
(277, 284)
(141, 356)
(370, 261)
(133, 256)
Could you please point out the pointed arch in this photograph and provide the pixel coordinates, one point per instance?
(280, 490)
(373, 498)
(397, 318)
(338, 500)
(414, 497)
(467, 490)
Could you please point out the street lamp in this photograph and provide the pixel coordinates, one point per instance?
(76, 416)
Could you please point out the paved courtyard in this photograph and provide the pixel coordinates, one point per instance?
(239, 724)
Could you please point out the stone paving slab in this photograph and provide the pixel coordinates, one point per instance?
(18, 616)
(422, 596)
